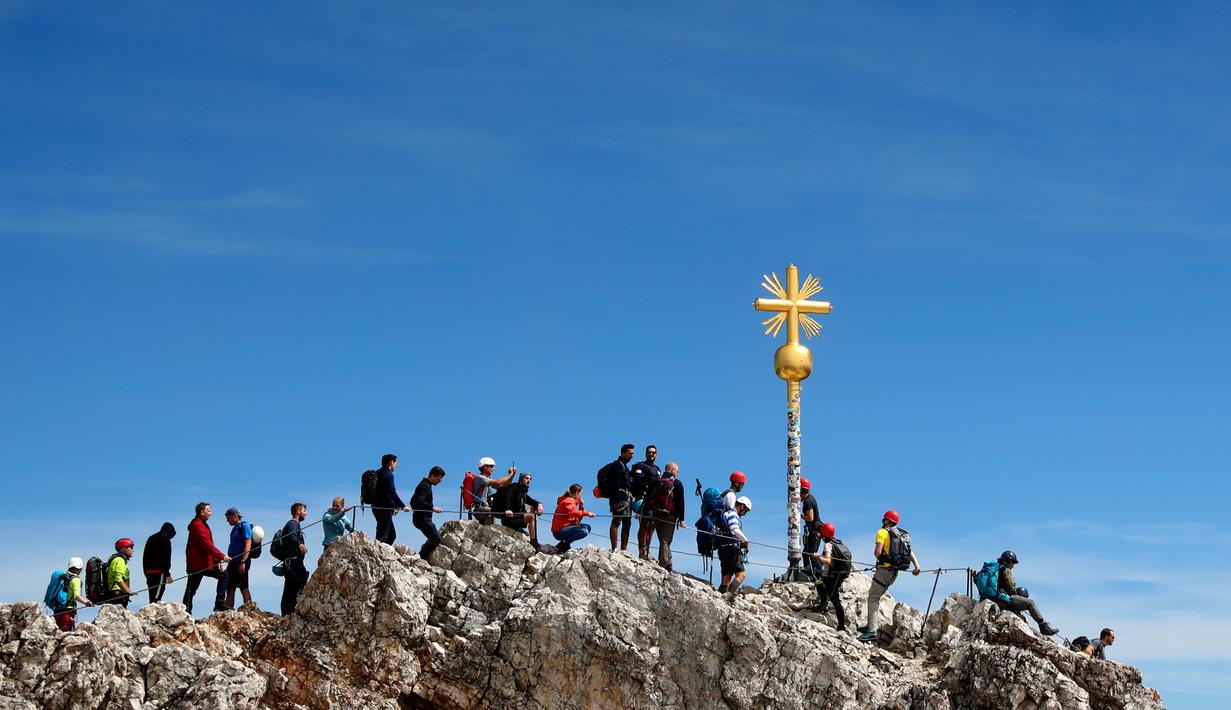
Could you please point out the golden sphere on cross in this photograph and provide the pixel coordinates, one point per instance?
(793, 362)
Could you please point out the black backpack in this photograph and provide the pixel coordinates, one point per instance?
(95, 579)
(840, 558)
(280, 547)
(604, 482)
(1080, 644)
(898, 554)
(367, 487)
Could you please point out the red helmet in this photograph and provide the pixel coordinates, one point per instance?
(892, 516)
(738, 477)
(805, 484)
(828, 531)
(122, 543)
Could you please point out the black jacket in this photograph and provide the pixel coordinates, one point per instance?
(515, 498)
(421, 502)
(642, 474)
(386, 491)
(156, 558)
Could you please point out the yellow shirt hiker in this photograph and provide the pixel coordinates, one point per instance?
(118, 576)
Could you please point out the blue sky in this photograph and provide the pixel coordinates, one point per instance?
(247, 250)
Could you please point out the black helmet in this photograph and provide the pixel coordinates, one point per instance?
(1023, 592)
(1008, 556)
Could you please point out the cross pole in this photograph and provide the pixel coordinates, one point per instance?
(792, 363)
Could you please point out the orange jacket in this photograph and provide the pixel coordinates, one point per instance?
(569, 511)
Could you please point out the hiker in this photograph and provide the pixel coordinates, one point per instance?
(156, 561)
(738, 479)
(614, 483)
(238, 550)
(835, 559)
(566, 525)
(421, 504)
(387, 501)
(732, 543)
(514, 500)
(642, 475)
(118, 576)
(66, 616)
(295, 575)
(1106, 638)
(893, 554)
(810, 521)
(664, 503)
(483, 484)
(1014, 597)
(334, 521)
(204, 559)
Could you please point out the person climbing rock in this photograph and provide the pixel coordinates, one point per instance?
(204, 559)
(732, 543)
(156, 561)
(423, 506)
(238, 549)
(566, 525)
(643, 474)
(1098, 647)
(66, 616)
(295, 574)
(835, 559)
(810, 522)
(386, 501)
(1019, 599)
(893, 554)
(615, 483)
(334, 521)
(517, 509)
(118, 576)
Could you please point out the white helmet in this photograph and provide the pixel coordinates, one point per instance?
(74, 563)
(487, 461)
(744, 501)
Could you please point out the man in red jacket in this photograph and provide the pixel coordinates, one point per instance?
(204, 560)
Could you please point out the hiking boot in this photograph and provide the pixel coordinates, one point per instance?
(562, 547)
(1047, 629)
(867, 636)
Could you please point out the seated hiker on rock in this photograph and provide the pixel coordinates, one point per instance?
(421, 503)
(484, 483)
(334, 521)
(835, 559)
(1018, 598)
(566, 525)
(517, 509)
(732, 543)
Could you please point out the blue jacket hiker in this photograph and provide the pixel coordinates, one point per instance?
(334, 521)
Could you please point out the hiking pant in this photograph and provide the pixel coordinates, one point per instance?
(1027, 604)
(117, 598)
(827, 590)
(428, 528)
(645, 531)
(812, 543)
(665, 527)
(157, 584)
(294, 579)
(881, 581)
(385, 532)
(193, 581)
(66, 620)
(570, 534)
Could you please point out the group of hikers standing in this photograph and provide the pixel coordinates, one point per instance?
(653, 497)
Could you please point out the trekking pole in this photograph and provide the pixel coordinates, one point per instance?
(928, 613)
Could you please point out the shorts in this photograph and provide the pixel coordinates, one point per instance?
(731, 558)
(620, 504)
(235, 579)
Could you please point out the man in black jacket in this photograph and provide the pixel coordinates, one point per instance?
(643, 474)
(156, 561)
(665, 502)
(295, 574)
(512, 502)
(387, 500)
(422, 505)
(615, 483)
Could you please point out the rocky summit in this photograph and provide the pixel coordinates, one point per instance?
(493, 622)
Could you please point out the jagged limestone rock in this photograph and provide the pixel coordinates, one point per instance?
(492, 622)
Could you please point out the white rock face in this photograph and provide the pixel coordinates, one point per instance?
(494, 623)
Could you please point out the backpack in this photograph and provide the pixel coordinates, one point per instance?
(95, 580)
(468, 491)
(258, 537)
(705, 541)
(279, 547)
(1080, 644)
(661, 492)
(987, 582)
(898, 554)
(56, 597)
(367, 487)
(711, 499)
(604, 483)
(840, 559)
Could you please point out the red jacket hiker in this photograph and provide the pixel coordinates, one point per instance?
(569, 511)
(201, 552)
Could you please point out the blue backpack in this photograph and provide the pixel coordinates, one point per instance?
(56, 597)
(711, 500)
(987, 582)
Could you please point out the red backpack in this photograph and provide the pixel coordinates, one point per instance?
(662, 494)
(468, 491)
